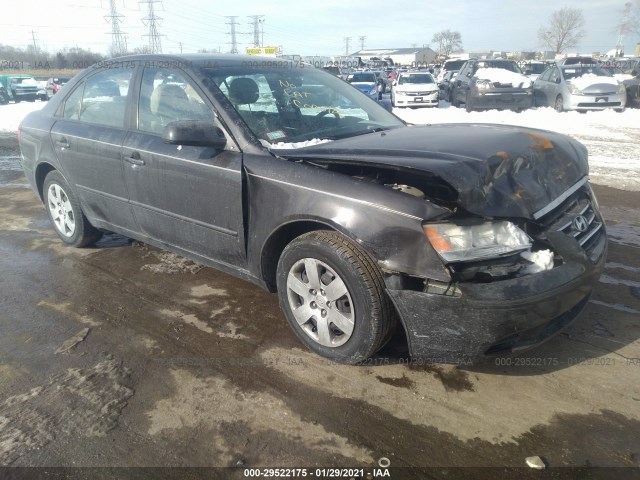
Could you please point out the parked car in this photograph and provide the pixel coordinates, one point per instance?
(492, 84)
(415, 89)
(19, 87)
(446, 85)
(632, 86)
(533, 69)
(368, 83)
(4, 96)
(579, 87)
(475, 240)
(42, 90)
(578, 60)
(54, 84)
(450, 65)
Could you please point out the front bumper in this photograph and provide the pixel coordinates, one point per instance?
(513, 100)
(502, 317)
(595, 102)
(428, 100)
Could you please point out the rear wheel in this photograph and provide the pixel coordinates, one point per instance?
(65, 213)
(559, 104)
(467, 103)
(333, 296)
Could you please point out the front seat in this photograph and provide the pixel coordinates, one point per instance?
(169, 103)
(245, 91)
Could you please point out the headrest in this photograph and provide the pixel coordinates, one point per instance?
(243, 91)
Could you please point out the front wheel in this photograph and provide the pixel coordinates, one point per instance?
(65, 213)
(333, 296)
(559, 104)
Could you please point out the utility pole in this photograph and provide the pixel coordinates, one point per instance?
(347, 40)
(118, 41)
(232, 32)
(35, 46)
(262, 32)
(256, 29)
(151, 21)
(362, 39)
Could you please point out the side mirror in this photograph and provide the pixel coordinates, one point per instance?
(558, 80)
(195, 133)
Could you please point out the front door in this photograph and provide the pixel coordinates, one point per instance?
(186, 196)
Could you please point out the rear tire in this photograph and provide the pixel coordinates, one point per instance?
(333, 296)
(467, 104)
(65, 213)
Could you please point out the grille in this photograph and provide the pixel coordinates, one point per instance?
(578, 218)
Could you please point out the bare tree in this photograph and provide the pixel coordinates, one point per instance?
(631, 18)
(564, 30)
(447, 42)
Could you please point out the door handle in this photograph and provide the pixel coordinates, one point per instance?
(135, 159)
(63, 143)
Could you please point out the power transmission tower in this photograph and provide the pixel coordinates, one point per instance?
(256, 29)
(151, 21)
(118, 41)
(232, 32)
(362, 39)
(347, 40)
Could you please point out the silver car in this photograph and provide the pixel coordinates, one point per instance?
(578, 87)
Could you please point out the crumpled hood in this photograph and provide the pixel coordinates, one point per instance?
(498, 171)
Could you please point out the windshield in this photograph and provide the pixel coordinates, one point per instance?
(363, 77)
(454, 64)
(299, 104)
(505, 65)
(575, 72)
(535, 68)
(416, 78)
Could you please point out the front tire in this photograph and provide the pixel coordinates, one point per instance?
(333, 296)
(65, 213)
(559, 106)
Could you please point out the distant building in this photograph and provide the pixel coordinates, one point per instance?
(399, 56)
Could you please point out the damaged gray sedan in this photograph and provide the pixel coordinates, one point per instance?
(476, 240)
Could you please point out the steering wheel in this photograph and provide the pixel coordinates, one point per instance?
(328, 111)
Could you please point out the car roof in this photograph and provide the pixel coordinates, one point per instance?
(196, 59)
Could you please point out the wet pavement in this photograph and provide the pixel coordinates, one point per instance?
(123, 355)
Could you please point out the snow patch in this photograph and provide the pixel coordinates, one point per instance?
(541, 261)
(589, 79)
(501, 75)
(289, 145)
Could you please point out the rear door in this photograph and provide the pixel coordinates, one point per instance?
(88, 141)
(185, 196)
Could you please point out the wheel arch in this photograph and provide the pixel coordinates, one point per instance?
(42, 170)
(279, 239)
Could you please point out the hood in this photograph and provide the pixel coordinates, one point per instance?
(497, 170)
(364, 86)
(417, 87)
(595, 83)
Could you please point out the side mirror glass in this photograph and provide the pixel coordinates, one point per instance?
(195, 133)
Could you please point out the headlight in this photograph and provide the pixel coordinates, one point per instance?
(461, 243)
(573, 90)
(621, 88)
(483, 84)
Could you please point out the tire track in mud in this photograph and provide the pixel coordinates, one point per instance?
(81, 402)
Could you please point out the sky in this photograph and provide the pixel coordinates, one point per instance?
(307, 28)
